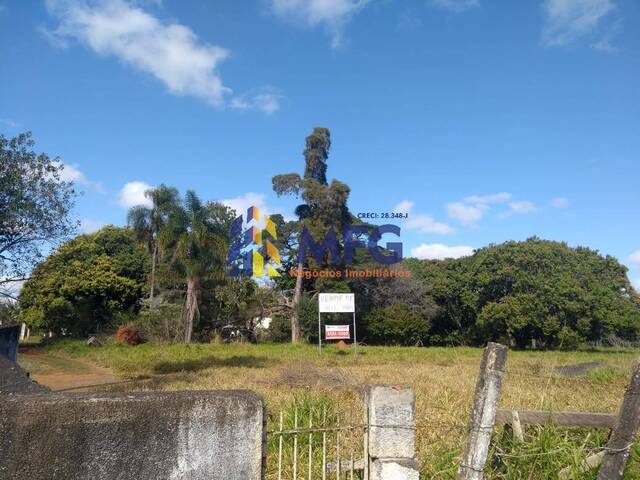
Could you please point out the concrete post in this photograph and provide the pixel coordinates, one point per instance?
(622, 437)
(392, 433)
(483, 415)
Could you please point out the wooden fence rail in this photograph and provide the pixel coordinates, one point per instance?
(563, 419)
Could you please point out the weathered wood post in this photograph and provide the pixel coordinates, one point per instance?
(622, 436)
(483, 415)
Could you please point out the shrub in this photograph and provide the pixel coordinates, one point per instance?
(162, 323)
(128, 335)
(396, 324)
(81, 287)
(279, 330)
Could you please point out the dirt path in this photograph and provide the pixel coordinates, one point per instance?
(59, 372)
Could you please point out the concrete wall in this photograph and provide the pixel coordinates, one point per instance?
(9, 341)
(212, 435)
(13, 379)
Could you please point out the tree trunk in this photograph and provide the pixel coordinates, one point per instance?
(191, 308)
(295, 321)
(153, 270)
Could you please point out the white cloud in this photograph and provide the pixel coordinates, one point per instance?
(132, 195)
(569, 20)
(426, 224)
(242, 203)
(474, 207)
(421, 222)
(634, 258)
(171, 52)
(405, 206)
(330, 14)
(7, 121)
(88, 225)
(465, 213)
(559, 202)
(438, 251)
(521, 208)
(604, 45)
(636, 284)
(267, 102)
(455, 6)
(71, 173)
(491, 199)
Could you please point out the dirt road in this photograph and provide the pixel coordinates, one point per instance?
(59, 372)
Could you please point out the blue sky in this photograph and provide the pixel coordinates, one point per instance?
(485, 120)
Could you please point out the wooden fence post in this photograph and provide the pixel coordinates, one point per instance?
(483, 415)
(619, 445)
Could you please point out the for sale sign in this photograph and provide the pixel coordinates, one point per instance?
(336, 302)
(337, 332)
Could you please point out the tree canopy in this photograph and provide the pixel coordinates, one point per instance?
(536, 292)
(35, 206)
(86, 283)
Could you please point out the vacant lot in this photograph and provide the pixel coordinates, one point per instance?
(443, 379)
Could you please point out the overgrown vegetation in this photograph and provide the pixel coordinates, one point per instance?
(535, 293)
(291, 377)
(86, 284)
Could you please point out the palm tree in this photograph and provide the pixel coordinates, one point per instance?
(147, 222)
(197, 237)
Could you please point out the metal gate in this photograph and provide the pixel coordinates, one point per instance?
(304, 444)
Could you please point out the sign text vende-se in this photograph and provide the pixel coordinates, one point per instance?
(336, 302)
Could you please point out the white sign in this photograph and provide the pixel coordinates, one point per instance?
(336, 332)
(337, 302)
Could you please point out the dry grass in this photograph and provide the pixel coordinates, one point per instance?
(443, 379)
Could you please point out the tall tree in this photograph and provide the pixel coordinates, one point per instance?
(196, 240)
(324, 207)
(147, 222)
(35, 206)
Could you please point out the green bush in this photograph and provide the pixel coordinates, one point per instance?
(162, 323)
(533, 292)
(396, 325)
(279, 330)
(84, 285)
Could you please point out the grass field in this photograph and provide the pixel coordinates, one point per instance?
(443, 379)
